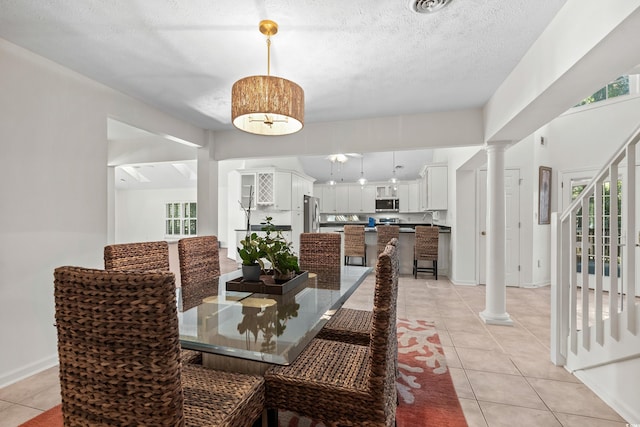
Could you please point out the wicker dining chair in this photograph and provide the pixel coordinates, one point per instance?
(346, 384)
(320, 254)
(426, 249)
(119, 357)
(354, 244)
(350, 325)
(144, 256)
(199, 269)
(385, 234)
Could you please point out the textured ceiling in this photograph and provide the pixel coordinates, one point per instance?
(354, 59)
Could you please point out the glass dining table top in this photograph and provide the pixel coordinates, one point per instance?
(266, 327)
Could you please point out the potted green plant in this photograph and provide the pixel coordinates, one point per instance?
(278, 251)
(251, 252)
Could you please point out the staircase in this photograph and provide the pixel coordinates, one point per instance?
(595, 309)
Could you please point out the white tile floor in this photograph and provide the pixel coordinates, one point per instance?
(501, 373)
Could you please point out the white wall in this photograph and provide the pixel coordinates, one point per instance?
(461, 212)
(53, 183)
(140, 214)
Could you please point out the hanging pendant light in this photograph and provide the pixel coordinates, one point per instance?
(267, 105)
(362, 180)
(331, 180)
(393, 178)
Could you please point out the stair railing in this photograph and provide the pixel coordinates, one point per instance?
(575, 254)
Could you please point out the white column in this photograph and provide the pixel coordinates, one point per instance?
(207, 189)
(496, 290)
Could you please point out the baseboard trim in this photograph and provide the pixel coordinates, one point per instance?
(28, 370)
(629, 414)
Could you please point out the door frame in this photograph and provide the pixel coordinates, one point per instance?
(513, 220)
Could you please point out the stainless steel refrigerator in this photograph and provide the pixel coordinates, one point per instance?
(311, 214)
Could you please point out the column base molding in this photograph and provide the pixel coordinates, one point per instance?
(496, 319)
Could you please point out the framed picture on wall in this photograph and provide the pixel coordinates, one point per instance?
(544, 195)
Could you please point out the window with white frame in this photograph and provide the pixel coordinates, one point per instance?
(181, 219)
(576, 189)
(623, 85)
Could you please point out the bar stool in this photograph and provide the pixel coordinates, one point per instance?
(354, 245)
(426, 249)
(385, 234)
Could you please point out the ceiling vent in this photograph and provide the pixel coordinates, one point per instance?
(427, 6)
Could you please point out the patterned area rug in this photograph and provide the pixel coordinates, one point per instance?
(425, 389)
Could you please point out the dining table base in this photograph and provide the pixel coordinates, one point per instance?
(234, 364)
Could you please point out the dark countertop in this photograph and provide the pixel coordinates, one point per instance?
(260, 227)
(405, 227)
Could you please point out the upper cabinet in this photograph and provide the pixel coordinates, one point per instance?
(362, 199)
(272, 188)
(434, 188)
(299, 187)
(409, 197)
(346, 198)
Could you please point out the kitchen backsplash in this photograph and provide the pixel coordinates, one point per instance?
(402, 217)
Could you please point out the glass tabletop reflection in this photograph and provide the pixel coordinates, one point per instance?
(266, 328)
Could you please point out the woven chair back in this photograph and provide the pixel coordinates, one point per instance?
(354, 245)
(319, 250)
(320, 254)
(199, 269)
(385, 234)
(118, 347)
(426, 248)
(384, 344)
(143, 256)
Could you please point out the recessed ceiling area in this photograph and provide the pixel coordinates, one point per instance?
(143, 160)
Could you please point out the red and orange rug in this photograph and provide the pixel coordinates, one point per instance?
(427, 397)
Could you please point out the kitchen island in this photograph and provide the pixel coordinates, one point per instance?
(406, 243)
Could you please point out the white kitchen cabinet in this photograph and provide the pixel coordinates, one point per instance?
(248, 186)
(434, 188)
(369, 199)
(299, 188)
(297, 199)
(409, 197)
(282, 191)
(414, 197)
(277, 189)
(297, 228)
(328, 199)
(342, 198)
(355, 199)
(422, 192)
(362, 199)
(437, 193)
(403, 198)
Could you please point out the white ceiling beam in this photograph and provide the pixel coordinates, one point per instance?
(588, 44)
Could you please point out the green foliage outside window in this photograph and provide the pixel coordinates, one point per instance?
(606, 218)
(181, 219)
(618, 87)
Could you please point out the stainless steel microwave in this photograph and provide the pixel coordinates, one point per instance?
(387, 205)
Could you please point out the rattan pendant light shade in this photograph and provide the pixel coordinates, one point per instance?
(267, 105)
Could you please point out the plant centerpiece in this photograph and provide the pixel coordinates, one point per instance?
(252, 250)
(251, 254)
(279, 253)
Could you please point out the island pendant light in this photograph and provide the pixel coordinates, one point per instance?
(331, 180)
(362, 180)
(393, 179)
(267, 105)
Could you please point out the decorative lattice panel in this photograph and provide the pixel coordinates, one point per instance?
(265, 188)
